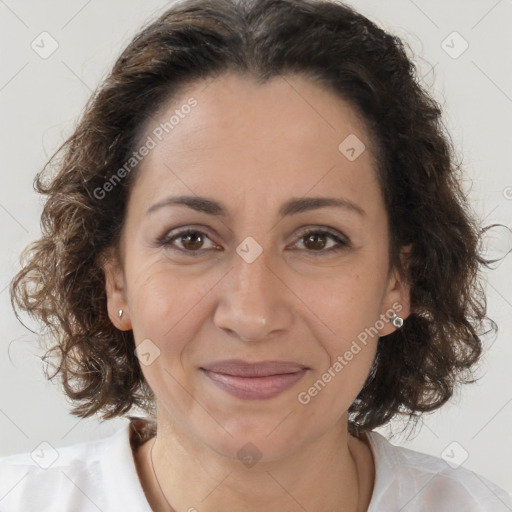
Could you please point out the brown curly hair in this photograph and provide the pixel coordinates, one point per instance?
(62, 284)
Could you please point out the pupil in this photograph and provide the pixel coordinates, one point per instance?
(192, 240)
(318, 241)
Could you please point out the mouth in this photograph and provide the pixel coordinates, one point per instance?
(254, 381)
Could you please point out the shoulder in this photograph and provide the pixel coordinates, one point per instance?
(413, 481)
(84, 476)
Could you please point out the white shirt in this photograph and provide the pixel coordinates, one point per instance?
(101, 476)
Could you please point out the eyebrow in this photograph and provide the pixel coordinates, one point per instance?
(291, 207)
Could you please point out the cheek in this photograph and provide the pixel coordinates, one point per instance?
(165, 315)
(329, 393)
(349, 343)
(347, 312)
(348, 302)
(163, 301)
(167, 308)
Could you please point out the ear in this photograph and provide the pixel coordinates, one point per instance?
(115, 288)
(397, 297)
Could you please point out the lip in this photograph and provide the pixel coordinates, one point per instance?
(254, 381)
(241, 368)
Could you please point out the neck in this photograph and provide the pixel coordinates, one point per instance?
(178, 472)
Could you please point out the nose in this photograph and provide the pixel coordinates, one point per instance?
(255, 302)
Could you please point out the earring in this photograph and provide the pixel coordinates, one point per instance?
(396, 320)
(120, 314)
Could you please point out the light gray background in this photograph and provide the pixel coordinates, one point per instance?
(40, 100)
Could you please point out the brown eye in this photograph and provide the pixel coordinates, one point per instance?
(315, 241)
(323, 242)
(193, 240)
(188, 241)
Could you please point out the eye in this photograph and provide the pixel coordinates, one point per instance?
(317, 241)
(189, 240)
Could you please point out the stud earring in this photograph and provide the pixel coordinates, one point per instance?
(396, 320)
(120, 314)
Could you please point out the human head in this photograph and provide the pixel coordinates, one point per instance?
(416, 367)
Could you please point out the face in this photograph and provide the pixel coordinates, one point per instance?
(280, 253)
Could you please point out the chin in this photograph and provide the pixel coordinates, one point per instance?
(265, 440)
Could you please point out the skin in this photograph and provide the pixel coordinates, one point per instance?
(253, 147)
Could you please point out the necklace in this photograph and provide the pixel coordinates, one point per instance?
(156, 478)
(358, 480)
(172, 510)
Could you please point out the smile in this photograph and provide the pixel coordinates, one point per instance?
(255, 388)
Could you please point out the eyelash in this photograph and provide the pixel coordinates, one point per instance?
(168, 239)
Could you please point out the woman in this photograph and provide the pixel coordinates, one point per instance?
(255, 236)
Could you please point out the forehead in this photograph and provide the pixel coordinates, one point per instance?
(287, 136)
